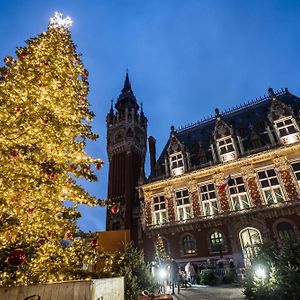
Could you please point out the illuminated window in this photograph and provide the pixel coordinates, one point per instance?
(286, 127)
(188, 245)
(217, 241)
(159, 208)
(296, 169)
(209, 199)
(285, 231)
(250, 238)
(270, 186)
(176, 161)
(177, 164)
(238, 193)
(183, 206)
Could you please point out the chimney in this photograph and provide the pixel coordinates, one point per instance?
(152, 150)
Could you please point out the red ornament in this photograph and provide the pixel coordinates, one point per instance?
(85, 169)
(16, 257)
(98, 166)
(14, 154)
(68, 235)
(45, 122)
(52, 175)
(85, 73)
(131, 266)
(115, 209)
(93, 243)
(30, 211)
(18, 110)
(5, 74)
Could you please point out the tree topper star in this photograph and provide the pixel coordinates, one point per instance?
(58, 21)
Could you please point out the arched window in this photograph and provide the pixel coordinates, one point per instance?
(250, 238)
(285, 231)
(188, 245)
(217, 241)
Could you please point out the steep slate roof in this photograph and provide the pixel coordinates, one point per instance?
(249, 121)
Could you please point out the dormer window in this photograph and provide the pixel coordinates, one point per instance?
(177, 164)
(226, 149)
(287, 130)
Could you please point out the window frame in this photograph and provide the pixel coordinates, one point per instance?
(160, 211)
(190, 242)
(180, 163)
(286, 126)
(220, 237)
(294, 171)
(238, 195)
(186, 207)
(209, 201)
(271, 188)
(286, 231)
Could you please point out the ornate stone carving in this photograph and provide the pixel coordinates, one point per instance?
(170, 203)
(250, 178)
(193, 192)
(222, 193)
(281, 163)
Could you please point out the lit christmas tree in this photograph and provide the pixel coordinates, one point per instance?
(44, 125)
(161, 253)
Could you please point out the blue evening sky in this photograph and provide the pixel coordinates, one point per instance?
(185, 58)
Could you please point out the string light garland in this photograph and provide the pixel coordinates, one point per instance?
(45, 122)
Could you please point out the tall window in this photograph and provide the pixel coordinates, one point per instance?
(159, 208)
(209, 199)
(217, 241)
(286, 127)
(238, 193)
(285, 231)
(226, 149)
(177, 164)
(183, 206)
(296, 169)
(226, 146)
(270, 186)
(176, 161)
(188, 245)
(250, 238)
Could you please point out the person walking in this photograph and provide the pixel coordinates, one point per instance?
(174, 270)
(190, 273)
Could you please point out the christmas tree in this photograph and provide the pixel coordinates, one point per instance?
(44, 125)
(161, 253)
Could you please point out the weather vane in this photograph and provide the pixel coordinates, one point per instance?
(58, 21)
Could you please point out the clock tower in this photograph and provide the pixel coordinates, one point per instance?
(126, 148)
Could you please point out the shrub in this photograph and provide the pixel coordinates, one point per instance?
(282, 280)
(207, 277)
(229, 276)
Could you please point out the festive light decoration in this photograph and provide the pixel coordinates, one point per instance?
(43, 136)
(58, 21)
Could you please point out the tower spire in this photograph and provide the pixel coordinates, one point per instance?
(127, 85)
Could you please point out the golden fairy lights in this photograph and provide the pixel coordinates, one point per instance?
(44, 121)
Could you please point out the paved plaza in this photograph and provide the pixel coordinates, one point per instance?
(200, 292)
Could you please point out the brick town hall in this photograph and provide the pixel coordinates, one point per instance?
(218, 189)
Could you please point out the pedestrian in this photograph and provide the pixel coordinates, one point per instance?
(190, 272)
(174, 272)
